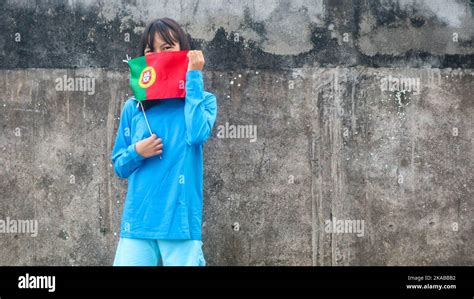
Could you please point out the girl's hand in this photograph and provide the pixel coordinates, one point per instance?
(149, 147)
(196, 60)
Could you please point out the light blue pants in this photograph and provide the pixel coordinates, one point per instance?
(148, 252)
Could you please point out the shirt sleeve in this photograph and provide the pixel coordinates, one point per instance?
(200, 109)
(124, 155)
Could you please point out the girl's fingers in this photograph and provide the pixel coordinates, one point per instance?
(200, 56)
(195, 53)
(159, 152)
(160, 146)
(196, 60)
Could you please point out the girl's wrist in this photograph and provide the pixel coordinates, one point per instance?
(193, 74)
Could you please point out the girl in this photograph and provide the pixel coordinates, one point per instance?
(162, 216)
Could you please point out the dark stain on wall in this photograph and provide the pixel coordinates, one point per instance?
(65, 37)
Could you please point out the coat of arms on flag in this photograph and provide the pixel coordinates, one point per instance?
(159, 76)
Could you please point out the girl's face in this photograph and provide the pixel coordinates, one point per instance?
(160, 45)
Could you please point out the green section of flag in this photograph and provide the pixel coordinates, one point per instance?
(136, 67)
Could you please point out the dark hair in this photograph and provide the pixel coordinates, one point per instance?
(168, 29)
(171, 32)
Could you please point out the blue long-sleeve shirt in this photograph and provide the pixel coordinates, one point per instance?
(165, 196)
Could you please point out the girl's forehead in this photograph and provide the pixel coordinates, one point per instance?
(159, 40)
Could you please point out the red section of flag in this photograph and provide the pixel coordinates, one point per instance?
(170, 69)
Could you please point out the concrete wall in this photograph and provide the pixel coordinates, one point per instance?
(337, 139)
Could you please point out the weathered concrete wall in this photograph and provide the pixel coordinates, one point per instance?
(332, 139)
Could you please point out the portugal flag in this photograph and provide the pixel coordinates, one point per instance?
(159, 76)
